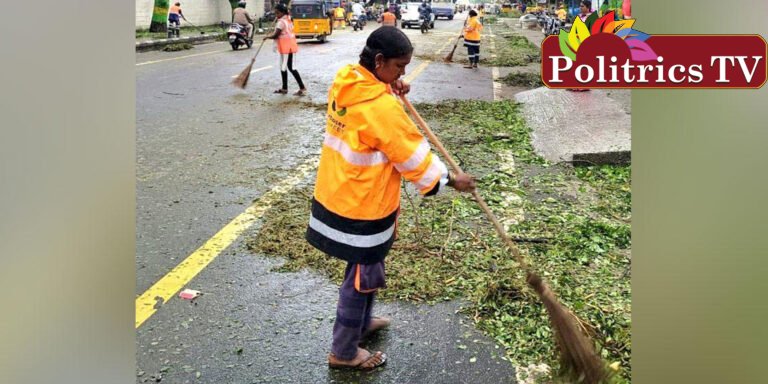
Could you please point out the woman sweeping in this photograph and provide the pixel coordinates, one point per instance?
(370, 143)
(287, 48)
(472, 39)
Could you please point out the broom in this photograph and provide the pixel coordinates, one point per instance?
(577, 352)
(242, 79)
(449, 58)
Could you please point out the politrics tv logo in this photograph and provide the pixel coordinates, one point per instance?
(607, 53)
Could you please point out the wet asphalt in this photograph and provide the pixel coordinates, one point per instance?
(205, 152)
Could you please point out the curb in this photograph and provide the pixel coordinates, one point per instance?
(157, 44)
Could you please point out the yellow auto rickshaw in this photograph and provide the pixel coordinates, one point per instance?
(311, 19)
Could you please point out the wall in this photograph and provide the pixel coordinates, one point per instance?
(198, 12)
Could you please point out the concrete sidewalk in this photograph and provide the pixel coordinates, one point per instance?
(584, 127)
(149, 44)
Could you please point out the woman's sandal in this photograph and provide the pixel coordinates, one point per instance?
(365, 365)
(300, 92)
(280, 91)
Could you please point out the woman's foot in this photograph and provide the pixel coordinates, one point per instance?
(301, 92)
(364, 360)
(280, 91)
(377, 323)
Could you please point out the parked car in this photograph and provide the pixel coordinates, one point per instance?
(443, 10)
(411, 16)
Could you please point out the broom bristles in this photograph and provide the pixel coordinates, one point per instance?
(449, 58)
(578, 358)
(242, 79)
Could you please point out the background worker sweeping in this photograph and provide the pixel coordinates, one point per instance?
(287, 47)
(370, 143)
(472, 39)
(174, 19)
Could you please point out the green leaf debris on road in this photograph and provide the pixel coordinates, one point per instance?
(572, 223)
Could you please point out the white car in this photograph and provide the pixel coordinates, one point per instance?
(410, 16)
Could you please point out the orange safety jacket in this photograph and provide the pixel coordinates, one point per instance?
(388, 18)
(472, 31)
(370, 143)
(286, 40)
(175, 9)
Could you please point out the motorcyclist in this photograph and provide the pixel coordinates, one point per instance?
(358, 10)
(425, 12)
(242, 17)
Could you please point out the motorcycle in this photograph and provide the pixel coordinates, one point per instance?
(424, 24)
(358, 22)
(237, 36)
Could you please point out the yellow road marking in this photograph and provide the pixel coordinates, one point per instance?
(416, 72)
(443, 46)
(180, 57)
(177, 278)
(255, 70)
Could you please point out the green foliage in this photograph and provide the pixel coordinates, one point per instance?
(511, 49)
(446, 249)
(523, 79)
(177, 47)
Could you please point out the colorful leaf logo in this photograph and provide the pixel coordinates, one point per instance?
(582, 30)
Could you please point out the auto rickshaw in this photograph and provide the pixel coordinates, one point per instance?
(311, 20)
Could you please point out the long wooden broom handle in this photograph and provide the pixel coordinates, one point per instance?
(488, 213)
(460, 34)
(257, 51)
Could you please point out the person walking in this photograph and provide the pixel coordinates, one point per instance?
(287, 48)
(339, 17)
(472, 39)
(370, 144)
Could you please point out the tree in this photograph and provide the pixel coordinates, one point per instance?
(159, 17)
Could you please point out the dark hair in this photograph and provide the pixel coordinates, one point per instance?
(282, 8)
(389, 41)
(587, 3)
(472, 12)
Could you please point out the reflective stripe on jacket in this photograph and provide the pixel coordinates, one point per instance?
(286, 40)
(370, 143)
(472, 31)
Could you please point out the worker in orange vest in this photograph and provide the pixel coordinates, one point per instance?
(388, 18)
(370, 144)
(174, 23)
(472, 39)
(287, 48)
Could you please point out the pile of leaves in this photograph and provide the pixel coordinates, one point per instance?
(177, 47)
(511, 49)
(523, 79)
(572, 224)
